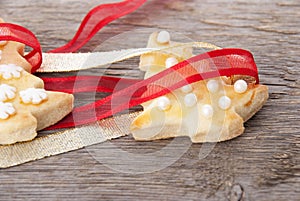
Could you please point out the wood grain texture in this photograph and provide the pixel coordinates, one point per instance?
(262, 164)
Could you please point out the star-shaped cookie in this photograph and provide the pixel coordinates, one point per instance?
(25, 106)
(212, 110)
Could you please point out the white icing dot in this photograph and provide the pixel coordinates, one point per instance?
(190, 100)
(163, 37)
(171, 61)
(6, 110)
(9, 71)
(7, 92)
(212, 86)
(224, 102)
(187, 88)
(163, 103)
(3, 42)
(207, 110)
(240, 86)
(33, 95)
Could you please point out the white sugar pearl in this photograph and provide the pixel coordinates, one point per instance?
(240, 86)
(163, 103)
(171, 61)
(163, 37)
(187, 88)
(224, 102)
(207, 111)
(3, 42)
(190, 100)
(212, 86)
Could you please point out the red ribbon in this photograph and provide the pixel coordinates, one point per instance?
(13, 32)
(224, 62)
(95, 20)
(79, 84)
(126, 93)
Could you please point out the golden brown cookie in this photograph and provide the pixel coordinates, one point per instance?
(25, 106)
(212, 110)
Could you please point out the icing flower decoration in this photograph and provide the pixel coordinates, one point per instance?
(33, 96)
(6, 110)
(25, 106)
(7, 92)
(9, 71)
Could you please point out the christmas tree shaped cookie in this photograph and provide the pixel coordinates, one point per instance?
(25, 106)
(211, 110)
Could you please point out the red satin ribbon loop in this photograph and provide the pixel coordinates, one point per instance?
(13, 32)
(92, 23)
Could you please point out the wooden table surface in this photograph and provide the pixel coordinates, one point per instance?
(262, 164)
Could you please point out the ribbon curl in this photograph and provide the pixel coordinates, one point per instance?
(96, 19)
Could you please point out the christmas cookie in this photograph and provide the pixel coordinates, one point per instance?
(211, 110)
(25, 106)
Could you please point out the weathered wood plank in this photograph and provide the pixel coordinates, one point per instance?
(262, 164)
